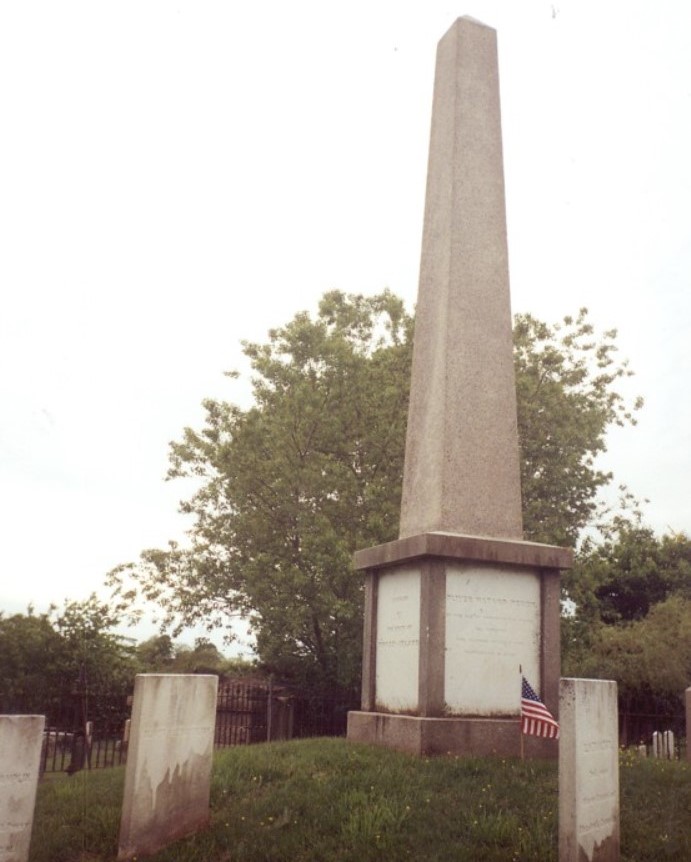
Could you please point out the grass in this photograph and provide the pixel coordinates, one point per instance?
(330, 800)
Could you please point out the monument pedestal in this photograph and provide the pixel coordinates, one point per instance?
(450, 622)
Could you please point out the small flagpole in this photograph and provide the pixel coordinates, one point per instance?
(520, 719)
(522, 751)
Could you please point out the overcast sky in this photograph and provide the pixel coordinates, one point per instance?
(178, 176)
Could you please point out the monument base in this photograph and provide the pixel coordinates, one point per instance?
(452, 623)
(459, 736)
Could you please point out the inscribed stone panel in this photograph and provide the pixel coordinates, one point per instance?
(492, 628)
(398, 640)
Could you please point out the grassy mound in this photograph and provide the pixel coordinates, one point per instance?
(329, 800)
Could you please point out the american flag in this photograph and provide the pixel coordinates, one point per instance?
(537, 720)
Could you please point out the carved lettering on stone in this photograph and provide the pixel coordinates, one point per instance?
(492, 628)
(398, 640)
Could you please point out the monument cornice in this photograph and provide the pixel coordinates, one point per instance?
(479, 549)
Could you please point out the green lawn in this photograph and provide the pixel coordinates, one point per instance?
(327, 800)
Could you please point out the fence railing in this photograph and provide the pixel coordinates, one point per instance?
(249, 713)
(246, 713)
(637, 728)
(72, 750)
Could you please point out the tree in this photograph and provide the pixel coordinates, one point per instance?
(631, 596)
(204, 657)
(290, 487)
(567, 400)
(54, 658)
(294, 484)
(650, 658)
(33, 661)
(160, 654)
(156, 654)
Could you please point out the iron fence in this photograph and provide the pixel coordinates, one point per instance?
(260, 713)
(636, 728)
(93, 734)
(83, 733)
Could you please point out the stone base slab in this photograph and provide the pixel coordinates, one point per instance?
(456, 546)
(463, 737)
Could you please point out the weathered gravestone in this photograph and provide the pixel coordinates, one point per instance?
(687, 695)
(167, 779)
(21, 740)
(459, 602)
(588, 771)
(664, 745)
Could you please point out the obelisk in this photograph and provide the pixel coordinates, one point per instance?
(461, 461)
(460, 602)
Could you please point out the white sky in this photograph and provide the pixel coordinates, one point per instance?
(178, 176)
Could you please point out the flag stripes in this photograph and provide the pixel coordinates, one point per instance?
(536, 719)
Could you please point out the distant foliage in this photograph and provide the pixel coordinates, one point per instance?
(53, 660)
(160, 654)
(632, 620)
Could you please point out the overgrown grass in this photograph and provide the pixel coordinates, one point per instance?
(330, 800)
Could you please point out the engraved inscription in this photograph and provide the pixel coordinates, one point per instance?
(597, 824)
(588, 765)
(14, 777)
(15, 826)
(21, 738)
(167, 730)
(398, 639)
(597, 745)
(492, 627)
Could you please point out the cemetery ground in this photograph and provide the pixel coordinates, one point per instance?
(327, 799)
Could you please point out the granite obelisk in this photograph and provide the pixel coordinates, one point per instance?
(461, 461)
(459, 602)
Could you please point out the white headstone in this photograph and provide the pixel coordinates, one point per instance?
(167, 780)
(668, 749)
(21, 740)
(588, 771)
(657, 744)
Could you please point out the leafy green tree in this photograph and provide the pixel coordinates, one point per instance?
(102, 664)
(161, 654)
(290, 487)
(631, 597)
(103, 659)
(62, 657)
(650, 658)
(203, 657)
(34, 663)
(156, 654)
(566, 378)
(294, 484)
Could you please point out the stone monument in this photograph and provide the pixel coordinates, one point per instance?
(588, 771)
(21, 739)
(460, 602)
(170, 749)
